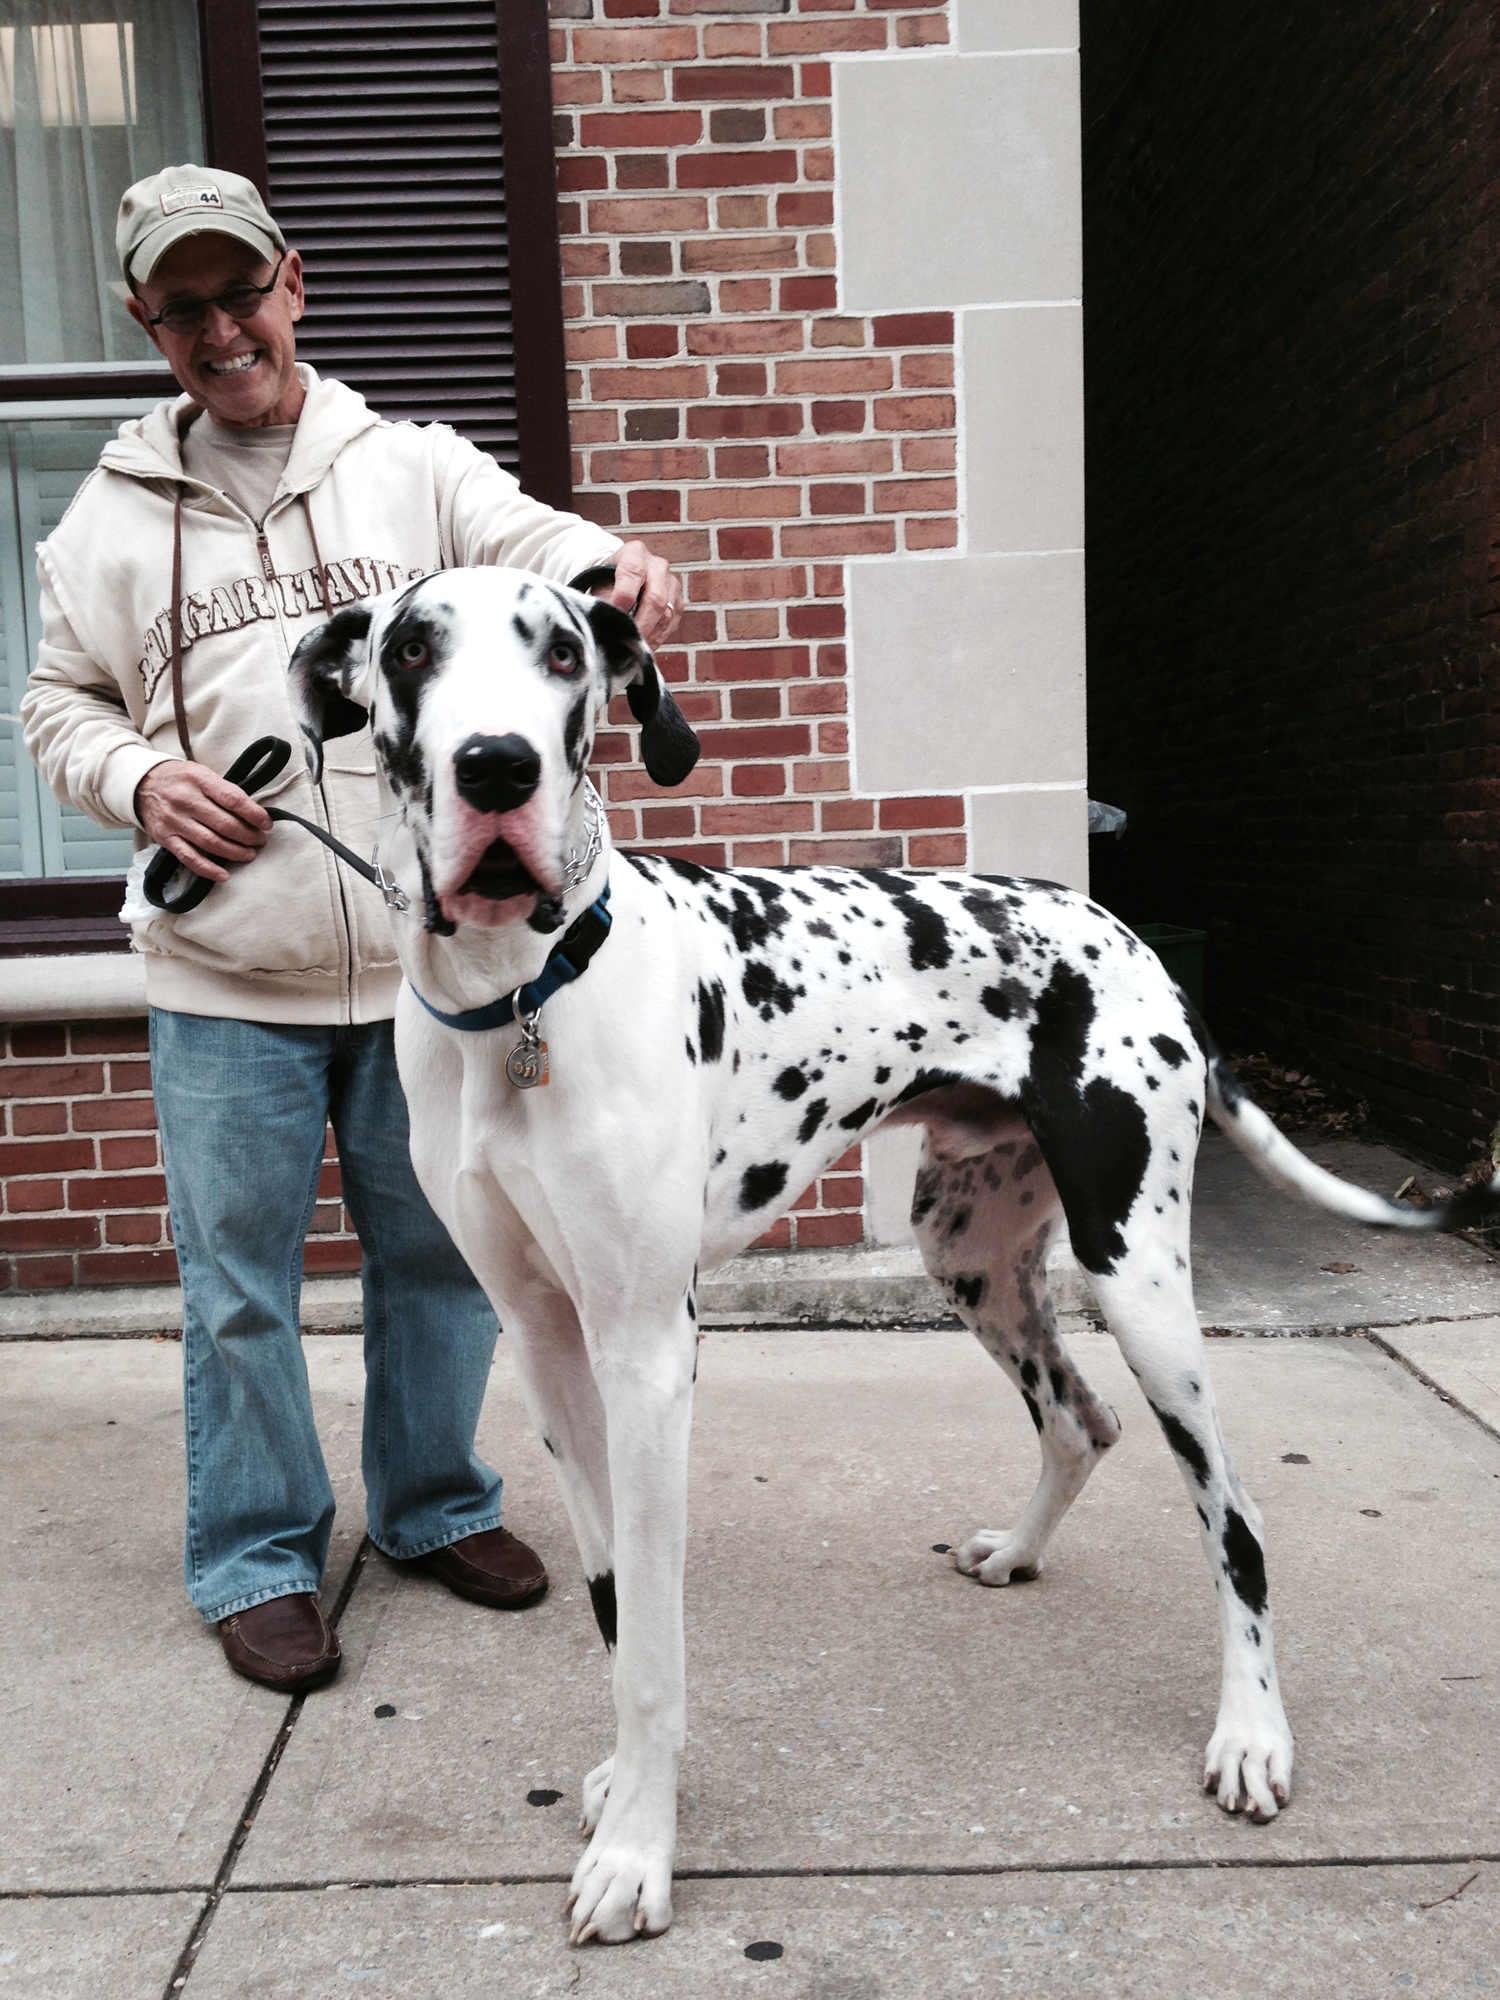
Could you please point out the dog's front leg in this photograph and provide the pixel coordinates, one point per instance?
(623, 1885)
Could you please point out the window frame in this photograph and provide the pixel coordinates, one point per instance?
(68, 914)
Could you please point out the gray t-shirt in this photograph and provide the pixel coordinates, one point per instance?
(245, 464)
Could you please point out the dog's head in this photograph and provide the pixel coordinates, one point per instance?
(483, 687)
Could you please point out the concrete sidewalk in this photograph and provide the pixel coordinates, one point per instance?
(907, 1784)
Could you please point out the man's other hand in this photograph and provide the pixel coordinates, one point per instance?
(641, 575)
(196, 815)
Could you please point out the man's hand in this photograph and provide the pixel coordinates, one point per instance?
(193, 813)
(639, 575)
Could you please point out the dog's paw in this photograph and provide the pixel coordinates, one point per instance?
(1248, 1765)
(595, 1792)
(621, 1889)
(997, 1556)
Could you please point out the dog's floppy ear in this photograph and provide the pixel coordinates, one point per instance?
(668, 746)
(325, 667)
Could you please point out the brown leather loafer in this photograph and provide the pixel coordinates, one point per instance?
(286, 1644)
(489, 1568)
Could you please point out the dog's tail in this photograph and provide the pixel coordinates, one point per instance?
(1242, 1120)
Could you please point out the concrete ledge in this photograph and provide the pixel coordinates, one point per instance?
(87, 986)
(857, 1287)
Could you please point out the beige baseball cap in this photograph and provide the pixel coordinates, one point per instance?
(190, 201)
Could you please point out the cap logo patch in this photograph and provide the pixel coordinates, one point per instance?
(175, 200)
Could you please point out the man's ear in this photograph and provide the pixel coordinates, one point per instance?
(668, 746)
(326, 666)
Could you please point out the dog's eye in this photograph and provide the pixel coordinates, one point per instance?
(563, 659)
(413, 654)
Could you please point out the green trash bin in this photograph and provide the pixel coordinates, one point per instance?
(1181, 952)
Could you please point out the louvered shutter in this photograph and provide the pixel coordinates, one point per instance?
(383, 148)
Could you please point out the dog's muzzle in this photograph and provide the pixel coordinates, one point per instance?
(497, 774)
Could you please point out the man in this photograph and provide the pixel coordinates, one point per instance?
(212, 535)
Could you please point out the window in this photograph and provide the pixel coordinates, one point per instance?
(406, 149)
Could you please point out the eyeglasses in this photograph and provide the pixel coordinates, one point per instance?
(241, 302)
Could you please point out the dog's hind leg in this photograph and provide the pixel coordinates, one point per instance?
(984, 1225)
(1147, 1300)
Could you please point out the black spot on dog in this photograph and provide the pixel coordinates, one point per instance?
(1030, 1373)
(860, 1115)
(929, 1186)
(1203, 1517)
(882, 1075)
(1173, 1054)
(970, 1289)
(1094, 1137)
(765, 991)
(550, 1443)
(1091, 951)
(817, 928)
(1255, 1639)
(790, 1084)
(1031, 1405)
(761, 1184)
(962, 1217)
(812, 1118)
(606, 1612)
(1186, 1446)
(1006, 1001)
(926, 933)
(692, 1053)
(1246, 1561)
(1059, 1383)
(711, 1020)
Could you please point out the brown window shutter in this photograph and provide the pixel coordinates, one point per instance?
(386, 160)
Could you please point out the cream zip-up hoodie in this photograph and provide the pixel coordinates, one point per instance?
(292, 936)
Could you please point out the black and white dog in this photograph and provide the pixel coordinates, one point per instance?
(739, 1031)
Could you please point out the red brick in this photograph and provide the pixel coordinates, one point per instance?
(591, 260)
(755, 704)
(740, 253)
(820, 251)
(37, 1042)
(742, 461)
(32, 1197)
(848, 815)
(740, 420)
(646, 299)
(578, 86)
(129, 1267)
(815, 621)
(921, 30)
(833, 739)
(741, 211)
(857, 538)
(806, 1200)
(716, 503)
(829, 776)
(752, 621)
(740, 83)
(707, 854)
(842, 1191)
(647, 384)
(593, 343)
(914, 413)
(609, 46)
(706, 782)
(740, 295)
(753, 663)
(897, 815)
(832, 660)
(927, 371)
(36, 1274)
(625, 10)
(815, 79)
(833, 375)
(831, 417)
(759, 853)
(790, 739)
(53, 1080)
(808, 295)
(836, 500)
(850, 1162)
(115, 1114)
(601, 508)
(777, 1237)
(27, 1120)
(121, 1191)
(125, 1076)
(331, 1254)
(812, 699)
(576, 176)
(931, 534)
(642, 170)
(799, 461)
(786, 816)
(627, 467)
(654, 506)
(762, 336)
(667, 823)
(786, 38)
(728, 38)
(826, 1232)
(135, 1152)
(740, 378)
(748, 586)
(651, 343)
(938, 850)
(136, 1229)
(929, 454)
(708, 170)
(647, 214)
(846, 853)
(910, 496)
(914, 329)
(618, 129)
(757, 781)
(44, 1158)
(746, 544)
(54, 1232)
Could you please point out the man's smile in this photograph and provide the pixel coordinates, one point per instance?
(236, 366)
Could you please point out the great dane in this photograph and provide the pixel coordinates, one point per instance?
(735, 1034)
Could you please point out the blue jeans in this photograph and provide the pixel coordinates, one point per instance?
(242, 1107)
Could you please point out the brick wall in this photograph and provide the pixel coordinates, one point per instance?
(727, 410)
(1291, 235)
(82, 1196)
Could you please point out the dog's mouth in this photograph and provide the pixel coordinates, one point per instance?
(499, 874)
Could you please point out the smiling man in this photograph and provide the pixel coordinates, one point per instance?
(214, 534)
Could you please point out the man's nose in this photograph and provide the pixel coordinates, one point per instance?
(496, 773)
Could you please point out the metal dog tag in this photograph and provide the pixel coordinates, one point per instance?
(526, 1065)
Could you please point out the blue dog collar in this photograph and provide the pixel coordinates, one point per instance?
(568, 960)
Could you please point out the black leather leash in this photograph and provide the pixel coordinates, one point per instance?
(173, 887)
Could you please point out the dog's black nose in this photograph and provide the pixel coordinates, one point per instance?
(496, 773)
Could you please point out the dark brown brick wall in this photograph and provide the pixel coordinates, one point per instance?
(1292, 239)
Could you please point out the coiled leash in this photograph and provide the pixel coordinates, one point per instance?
(173, 887)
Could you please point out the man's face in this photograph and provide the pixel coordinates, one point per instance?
(244, 374)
